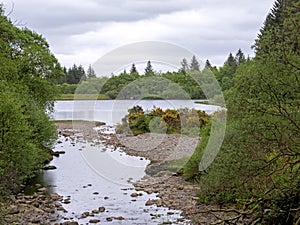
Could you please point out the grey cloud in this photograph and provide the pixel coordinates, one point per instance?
(226, 26)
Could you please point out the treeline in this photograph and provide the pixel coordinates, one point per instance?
(190, 81)
(28, 78)
(258, 166)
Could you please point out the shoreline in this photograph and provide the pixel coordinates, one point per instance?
(171, 189)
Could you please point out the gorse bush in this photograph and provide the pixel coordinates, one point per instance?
(170, 121)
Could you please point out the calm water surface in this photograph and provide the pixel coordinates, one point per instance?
(112, 111)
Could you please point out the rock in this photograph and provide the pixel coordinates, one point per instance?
(158, 202)
(101, 209)
(67, 133)
(50, 167)
(66, 201)
(96, 193)
(43, 189)
(180, 187)
(119, 218)
(95, 211)
(134, 195)
(14, 210)
(105, 198)
(56, 154)
(138, 188)
(94, 221)
(109, 219)
(98, 123)
(70, 223)
(36, 220)
(149, 202)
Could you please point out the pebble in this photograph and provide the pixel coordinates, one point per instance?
(101, 209)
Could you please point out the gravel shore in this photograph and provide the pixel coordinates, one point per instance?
(174, 192)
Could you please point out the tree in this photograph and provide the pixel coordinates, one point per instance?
(29, 73)
(90, 72)
(76, 74)
(195, 66)
(184, 66)
(258, 164)
(149, 70)
(207, 64)
(133, 69)
(240, 57)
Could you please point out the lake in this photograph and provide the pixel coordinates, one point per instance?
(112, 111)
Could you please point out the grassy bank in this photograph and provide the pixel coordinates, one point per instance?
(82, 97)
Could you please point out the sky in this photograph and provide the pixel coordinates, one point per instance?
(81, 32)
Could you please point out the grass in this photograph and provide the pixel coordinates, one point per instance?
(82, 97)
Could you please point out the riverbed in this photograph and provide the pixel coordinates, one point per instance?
(91, 176)
(96, 181)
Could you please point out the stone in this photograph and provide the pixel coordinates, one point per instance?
(70, 223)
(134, 195)
(149, 202)
(50, 167)
(14, 211)
(119, 218)
(94, 221)
(109, 219)
(66, 201)
(43, 189)
(95, 211)
(35, 220)
(96, 193)
(101, 209)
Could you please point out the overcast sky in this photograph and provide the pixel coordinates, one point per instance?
(82, 31)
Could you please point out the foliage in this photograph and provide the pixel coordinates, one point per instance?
(149, 70)
(182, 121)
(75, 74)
(258, 165)
(28, 77)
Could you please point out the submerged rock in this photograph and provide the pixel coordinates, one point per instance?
(50, 167)
(94, 221)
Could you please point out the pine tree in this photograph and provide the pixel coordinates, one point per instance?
(195, 66)
(90, 72)
(133, 69)
(240, 57)
(149, 70)
(207, 64)
(231, 61)
(184, 66)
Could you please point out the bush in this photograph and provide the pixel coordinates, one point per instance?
(170, 121)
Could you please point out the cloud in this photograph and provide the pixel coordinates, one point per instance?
(82, 31)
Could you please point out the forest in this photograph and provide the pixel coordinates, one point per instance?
(180, 84)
